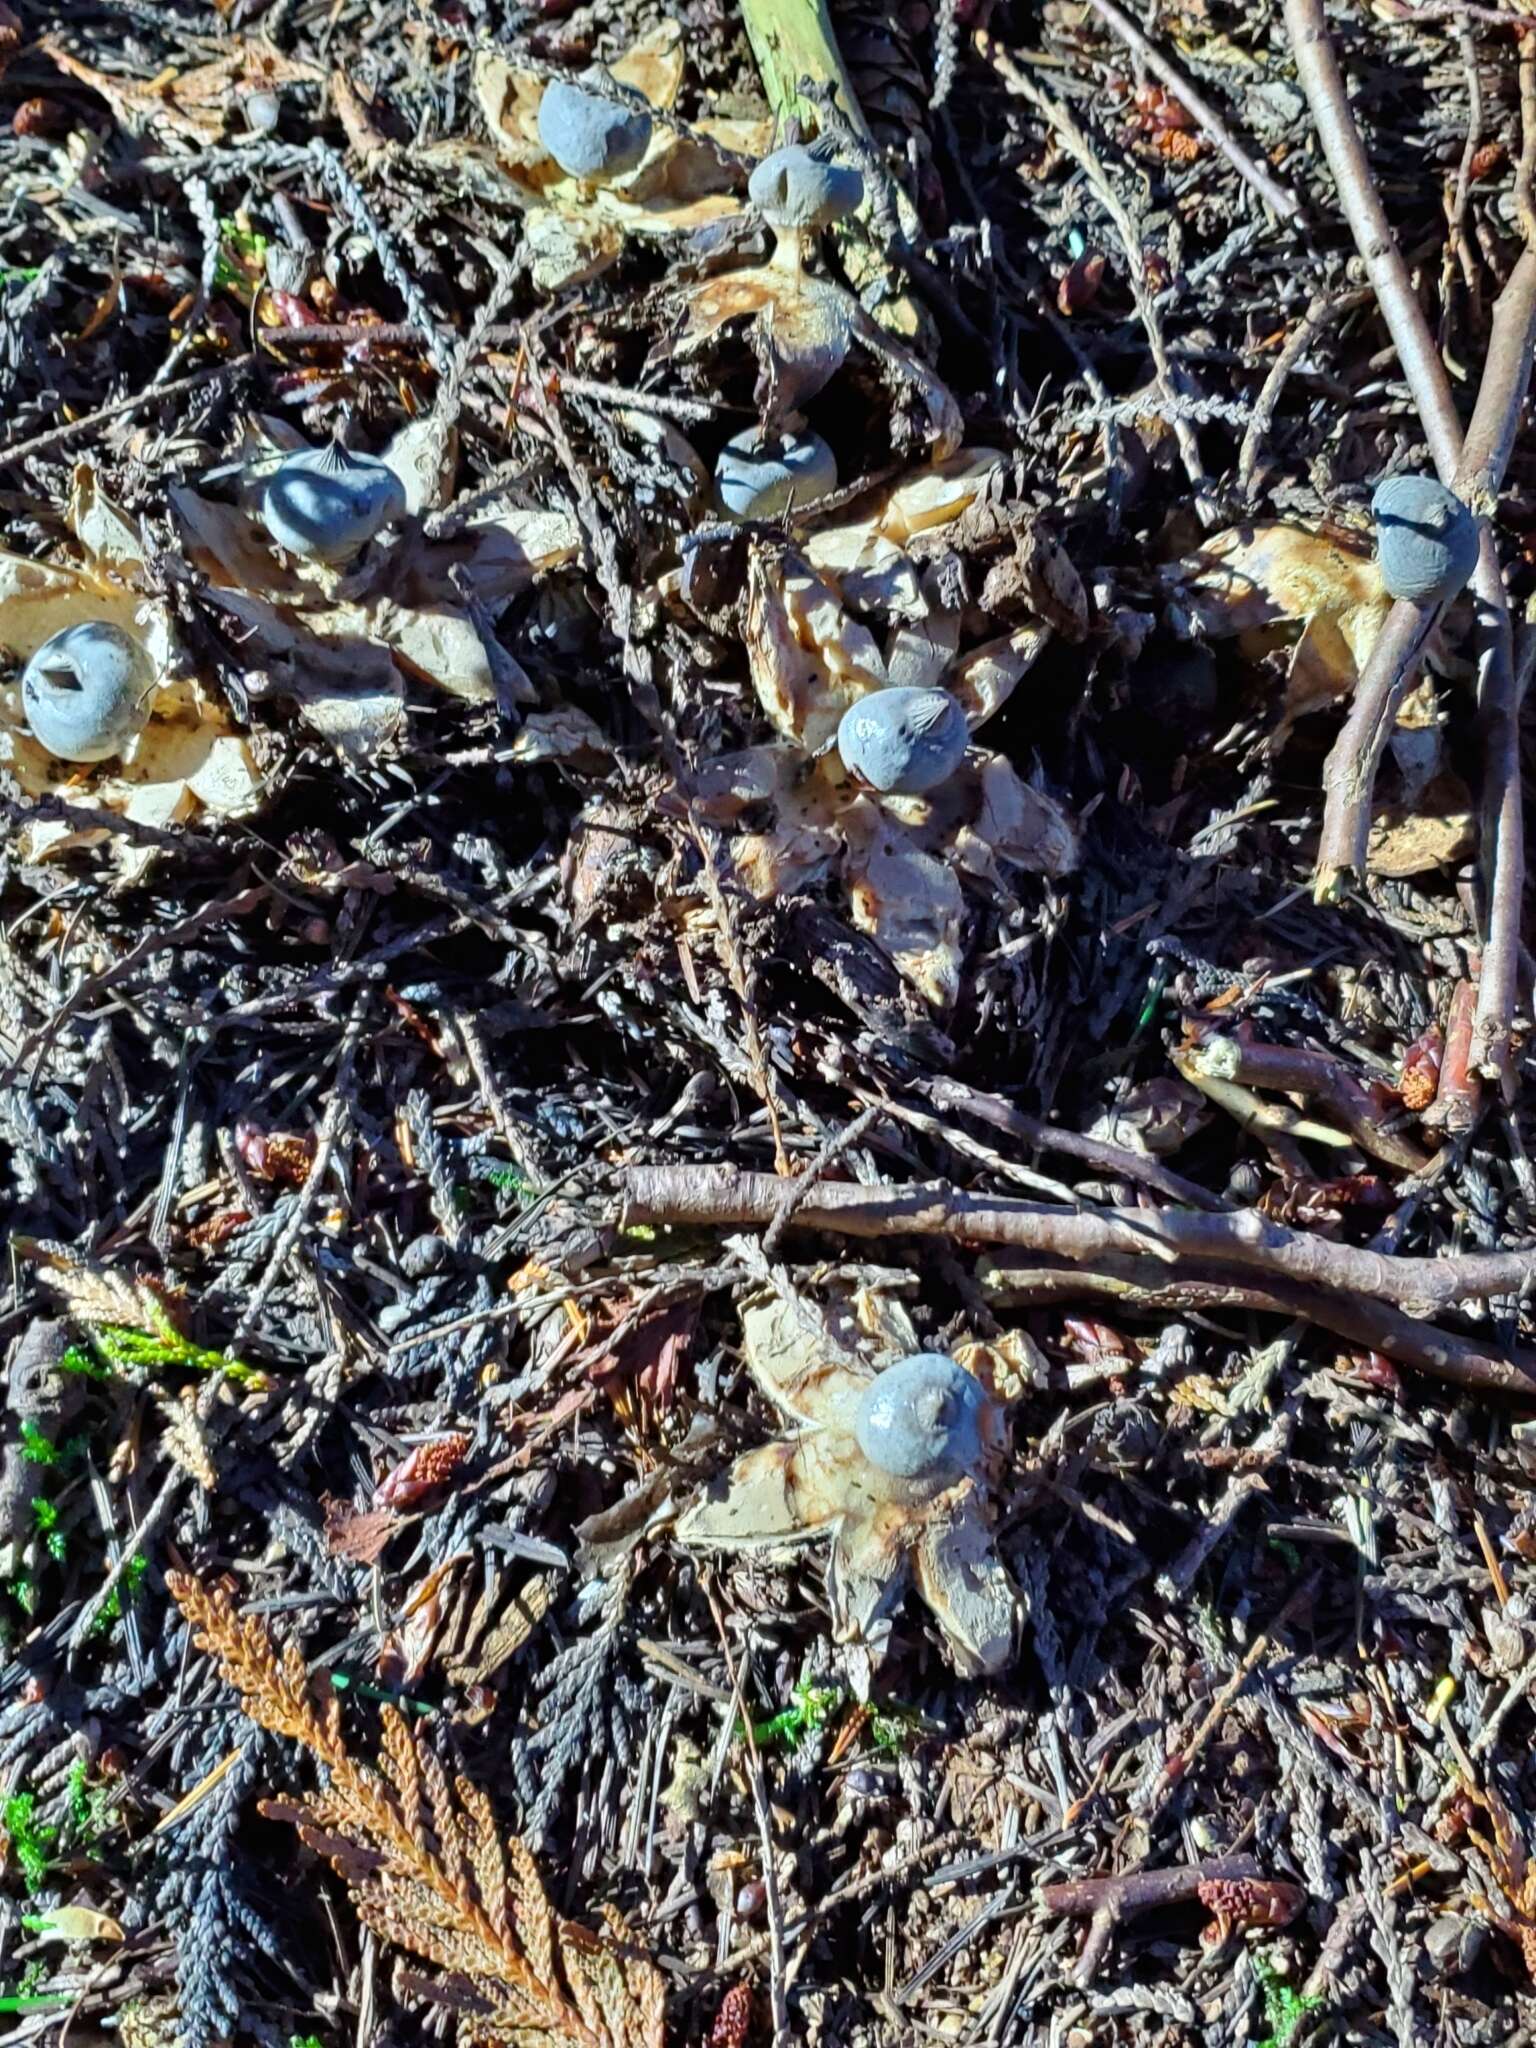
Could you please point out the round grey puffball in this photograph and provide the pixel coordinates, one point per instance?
(1426, 539)
(589, 136)
(758, 477)
(326, 503)
(794, 188)
(903, 741)
(86, 691)
(921, 1418)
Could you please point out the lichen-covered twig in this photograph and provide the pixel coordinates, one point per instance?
(1306, 1070)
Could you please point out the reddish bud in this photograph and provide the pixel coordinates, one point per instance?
(39, 117)
(733, 2022)
(428, 1467)
(1079, 287)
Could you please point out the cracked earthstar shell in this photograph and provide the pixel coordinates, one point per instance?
(883, 1532)
(86, 691)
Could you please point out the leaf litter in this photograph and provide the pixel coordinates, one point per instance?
(487, 1093)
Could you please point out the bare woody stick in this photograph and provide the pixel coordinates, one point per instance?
(1107, 1902)
(1318, 70)
(1242, 1242)
(1461, 1361)
(1475, 473)
(1277, 197)
(1500, 683)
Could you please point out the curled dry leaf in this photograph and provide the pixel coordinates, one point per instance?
(886, 519)
(190, 106)
(187, 760)
(341, 650)
(906, 899)
(578, 227)
(801, 845)
(1437, 829)
(1254, 582)
(809, 658)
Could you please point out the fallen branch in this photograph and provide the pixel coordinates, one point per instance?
(1108, 1902)
(1449, 1355)
(1140, 1891)
(1244, 1240)
(1318, 70)
(1303, 1070)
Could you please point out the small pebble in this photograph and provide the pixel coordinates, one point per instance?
(751, 1899)
(423, 1255)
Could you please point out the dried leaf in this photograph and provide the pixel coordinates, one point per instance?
(185, 1439)
(421, 1860)
(191, 105)
(1440, 830)
(1253, 579)
(809, 659)
(907, 900)
(361, 1534)
(79, 1923)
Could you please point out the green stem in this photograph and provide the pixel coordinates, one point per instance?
(794, 39)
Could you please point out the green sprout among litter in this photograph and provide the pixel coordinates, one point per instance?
(46, 1515)
(242, 258)
(1285, 2011)
(810, 1708)
(32, 1841)
(138, 1354)
(25, 1998)
(35, 1843)
(91, 1811)
(84, 1364)
(122, 1595)
(508, 1181)
(305, 2041)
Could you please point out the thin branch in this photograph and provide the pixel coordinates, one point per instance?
(1245, 1241)
(1277, 197)
(1475, 473)
(1078, 147)
(1448, 1355)
(38, 444)
(1318, 69)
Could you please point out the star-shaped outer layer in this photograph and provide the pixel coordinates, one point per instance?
(815, 1484)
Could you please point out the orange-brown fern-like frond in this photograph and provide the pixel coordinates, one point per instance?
(427, 1867)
